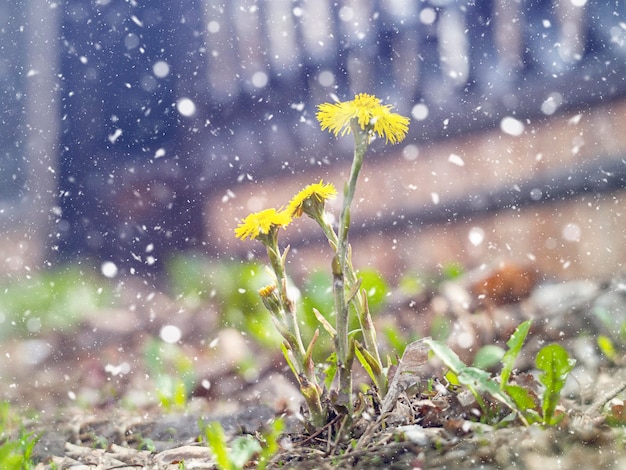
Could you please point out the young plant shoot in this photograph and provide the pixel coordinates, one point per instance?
(364, 117)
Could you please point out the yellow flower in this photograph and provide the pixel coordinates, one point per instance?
(311, 197)
(370, 115)
(267, 291)
(260, 223)
(271, 299)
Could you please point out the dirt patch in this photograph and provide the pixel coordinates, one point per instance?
(94, 402)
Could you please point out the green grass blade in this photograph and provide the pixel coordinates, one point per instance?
(216, 440)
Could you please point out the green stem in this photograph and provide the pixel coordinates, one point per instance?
(288, 311)
(286, 322)
(340, 262)
(359, 302)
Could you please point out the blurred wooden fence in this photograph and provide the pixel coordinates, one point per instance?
(158, 108)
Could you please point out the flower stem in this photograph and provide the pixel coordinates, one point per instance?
(340, 262)
(286, 321)
(288, 313)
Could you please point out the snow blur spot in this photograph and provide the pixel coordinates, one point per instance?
(326, 78)
(428, 16)
(33, 324)
(617, 34)
(34, 351)
(108, 269)
(419, 112)
(575, 119)
(170, 334)
(578, 3)
(551, 104)
(293, 292)
(228, 196)
(255, 204)
(476, 236)
(435, 198)
(159, 153)
(186, 107)
(131, 41)
(465, 340)
(456, 159)
(122, 369)
(136, 20)
(346, 14)
(213, 27)
(161, 69)
(572, 232)
(410, 152)
(510, 125)
(71, 395)
(116, 135)
(536, 194)
(259, 79)
(206, 384)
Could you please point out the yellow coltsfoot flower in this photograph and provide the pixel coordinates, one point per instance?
(261, 223)
(271, 299)
(370, 115)
(311, 200)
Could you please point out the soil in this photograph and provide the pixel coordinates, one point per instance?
(94, 403)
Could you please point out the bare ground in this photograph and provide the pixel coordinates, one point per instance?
(94, 404)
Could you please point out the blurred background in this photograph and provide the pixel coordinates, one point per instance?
(136, 130)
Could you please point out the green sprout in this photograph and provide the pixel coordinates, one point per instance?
(15, 453)
(552, 360)
(243, 450)
(172, 372)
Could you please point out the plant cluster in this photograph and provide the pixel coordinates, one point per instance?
(243, 450)
(521, 398)
(364, 117)
(15, 452)
(49, 299)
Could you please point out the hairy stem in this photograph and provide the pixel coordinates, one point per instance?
(340, 262)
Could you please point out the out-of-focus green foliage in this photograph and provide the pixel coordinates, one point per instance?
(16, 452)
(451, 271)
(607, 347)
(488, 356)
(376, 288)
(552, 360)
(232, 286)
(243, 450)
(50, 300)
(172, 372)
(411, 284)
(440, 327)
